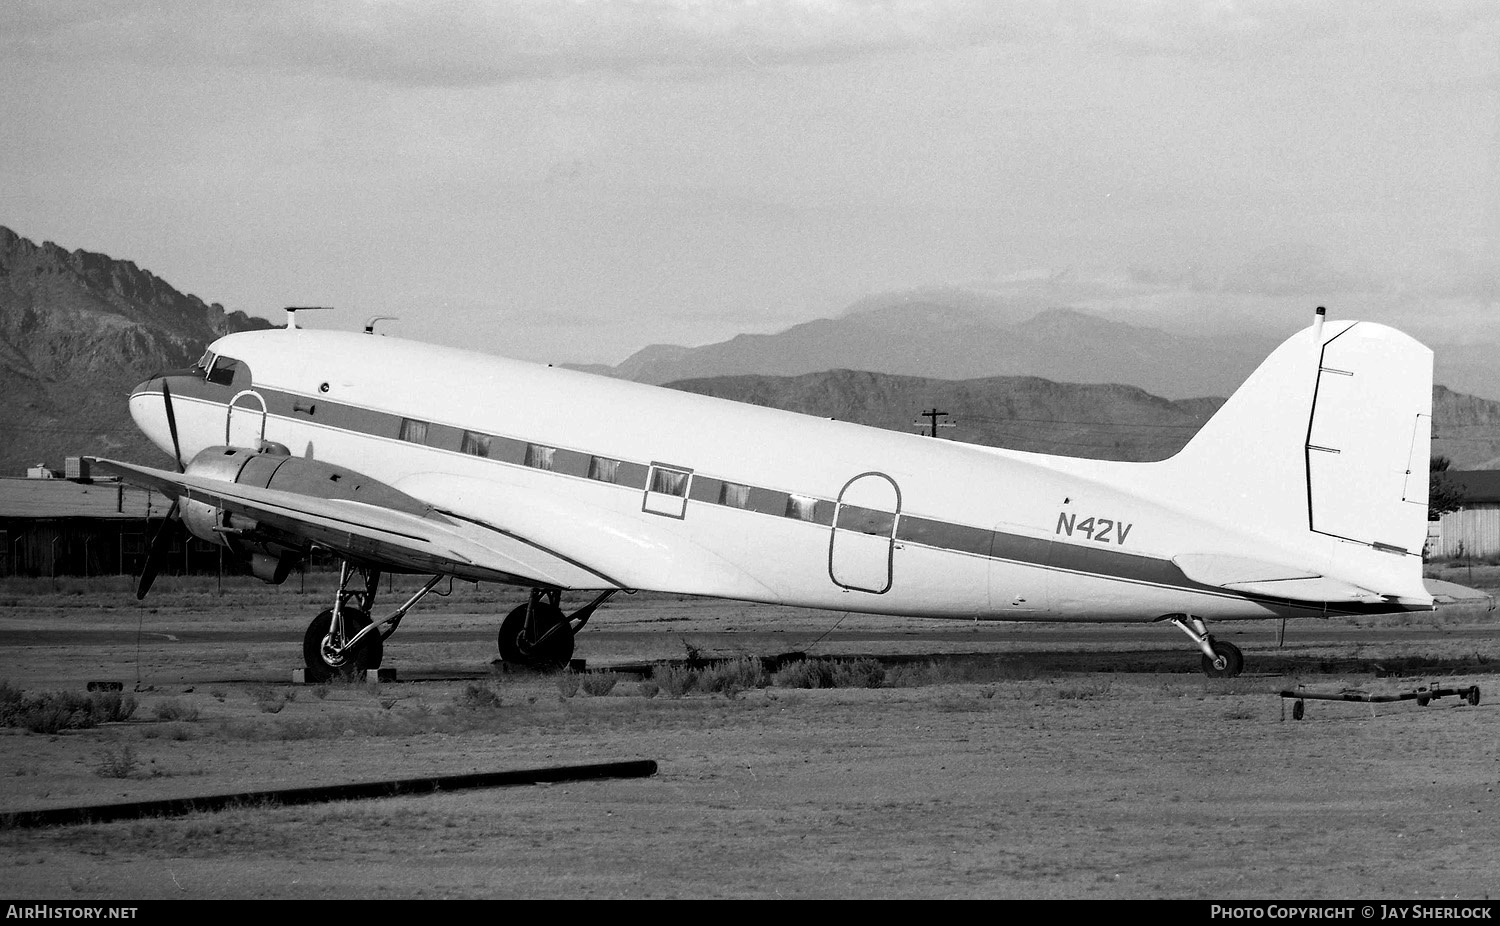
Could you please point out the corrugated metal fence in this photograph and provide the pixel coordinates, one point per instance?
(1471, 533)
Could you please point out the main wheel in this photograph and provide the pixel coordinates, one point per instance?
(322, 665)
(1234, 661)
(549, 648)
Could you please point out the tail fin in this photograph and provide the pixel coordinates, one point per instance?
(1325, 448)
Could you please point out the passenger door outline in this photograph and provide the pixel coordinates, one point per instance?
(862, 541)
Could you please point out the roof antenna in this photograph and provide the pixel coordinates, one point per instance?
(370, 325)
(292, 310)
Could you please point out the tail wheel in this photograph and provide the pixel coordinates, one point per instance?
(550, 647)
(322, 664)
(1233, 661)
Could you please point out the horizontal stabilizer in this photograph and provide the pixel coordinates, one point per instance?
(1222, 569)
(1258, 577)
(1452, 595)
(1321, 588)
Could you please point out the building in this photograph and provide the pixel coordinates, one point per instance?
(1473, 531)
(51, 526)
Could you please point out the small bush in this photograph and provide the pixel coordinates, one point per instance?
(676, 681)
(805, 673)
(111, 706)
(478, 696)
(907, 675)
(174, 710)
(733, 676)
(648, 688)
(11, 699)
(568, 683)
(598, 684)
(121, 764)
(858, 673)
(269, 700)
(63, 710)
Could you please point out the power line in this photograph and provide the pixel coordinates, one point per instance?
(932, 415)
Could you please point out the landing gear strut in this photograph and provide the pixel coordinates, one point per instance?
(538, 635)
(342, 642)
(1220, 659)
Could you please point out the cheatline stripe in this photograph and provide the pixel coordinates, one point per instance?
(1041, 552)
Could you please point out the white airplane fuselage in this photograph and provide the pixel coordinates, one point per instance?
(652, 488)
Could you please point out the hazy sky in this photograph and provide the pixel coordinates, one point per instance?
(571, 181)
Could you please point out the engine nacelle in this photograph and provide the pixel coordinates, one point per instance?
(272, 554)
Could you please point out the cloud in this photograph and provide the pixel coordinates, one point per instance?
(444, 43)
(1299, 269)
(450, 43)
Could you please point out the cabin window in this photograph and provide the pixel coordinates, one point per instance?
(221, 370)
(667, 491)
(475, 444)
(413, 431)
(734, 495)
(801, 507)
(669, 481)
(539, 456)
(604, 469)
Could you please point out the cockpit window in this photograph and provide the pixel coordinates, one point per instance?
(221, 370)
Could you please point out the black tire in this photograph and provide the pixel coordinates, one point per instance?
(364, 659)
(1234, 661)
(555, 649)
(1298, 710)
(1473, 696)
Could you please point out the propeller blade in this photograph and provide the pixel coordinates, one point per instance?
(161, 544)
(166, 397)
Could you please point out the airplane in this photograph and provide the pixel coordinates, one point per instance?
(1304, 495)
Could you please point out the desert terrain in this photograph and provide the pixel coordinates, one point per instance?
(991, 760)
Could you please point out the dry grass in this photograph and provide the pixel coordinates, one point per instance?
(62, 710)
(175, 710)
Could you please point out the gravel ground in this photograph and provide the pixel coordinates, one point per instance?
(1011, 774)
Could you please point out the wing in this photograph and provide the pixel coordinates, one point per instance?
(430, 543)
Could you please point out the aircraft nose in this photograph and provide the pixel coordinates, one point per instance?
(148, 386)
(152, 408)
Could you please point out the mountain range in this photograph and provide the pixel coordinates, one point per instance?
(954, 335)
(79, 329)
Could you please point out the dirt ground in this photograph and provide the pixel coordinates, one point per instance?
(1000, 761)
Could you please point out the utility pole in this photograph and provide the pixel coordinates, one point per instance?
(932, 415)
